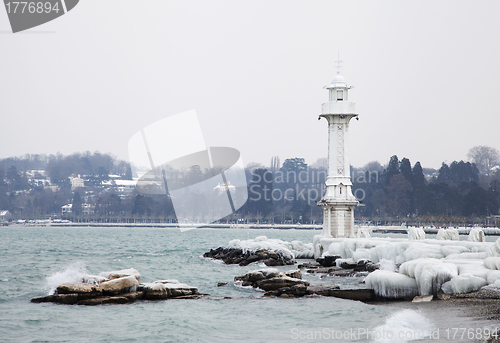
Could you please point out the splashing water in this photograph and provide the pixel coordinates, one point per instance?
(73, 273)
(403, 326)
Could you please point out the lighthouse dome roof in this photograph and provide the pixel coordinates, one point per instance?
(338, 79)
(337, 82)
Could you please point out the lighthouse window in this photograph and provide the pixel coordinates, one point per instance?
(340, 95)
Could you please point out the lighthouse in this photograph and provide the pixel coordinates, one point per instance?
(338, 202)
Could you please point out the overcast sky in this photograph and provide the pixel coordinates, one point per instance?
(425, 74)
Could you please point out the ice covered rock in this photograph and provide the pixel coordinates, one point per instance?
(495, 249)
(416, 233)
(121, 273)
(476, 235)
(120, 285)
(388, 284)
(290, 250)
(493, 277)
(270, 279)
(159, 290)
(276, 283)
(364, 232)
(429, 273)
(92, 279)
(327, 261)
(243, 258)
(448, 234)
(463, 283)
(78, 288)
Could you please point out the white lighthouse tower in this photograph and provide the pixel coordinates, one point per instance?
(338, 202)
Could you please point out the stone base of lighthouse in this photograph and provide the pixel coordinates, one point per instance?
(338, 218)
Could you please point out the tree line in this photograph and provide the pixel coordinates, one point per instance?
(37, 186)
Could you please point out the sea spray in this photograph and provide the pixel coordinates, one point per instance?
(403, 326)
(73, 273)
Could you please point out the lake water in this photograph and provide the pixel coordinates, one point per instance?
(34, 260)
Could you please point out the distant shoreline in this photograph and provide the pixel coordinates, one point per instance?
(316, 227)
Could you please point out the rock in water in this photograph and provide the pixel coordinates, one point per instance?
(244, 258)
(120, 285)
(77, 287)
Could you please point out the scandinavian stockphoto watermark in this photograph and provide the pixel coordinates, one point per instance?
(24, 15)
(305, 185)
(170, 157)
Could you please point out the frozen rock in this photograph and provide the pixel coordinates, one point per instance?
(476, 235)
(78, 288)
(275, 283)
(492, 263)
(327, 261)
(121, 273)
(495, 249)
(120, 285)
(92, 279)
(392, 285)
(429, 273)
(364, 232)
(270, 279)
(416, 233)
(158, 291)
(448, 234)
(235, 255)
(463, 283)
(347, 263)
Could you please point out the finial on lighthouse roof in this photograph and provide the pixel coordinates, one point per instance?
(338, 61)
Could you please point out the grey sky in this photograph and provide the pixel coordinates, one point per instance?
(425, 75)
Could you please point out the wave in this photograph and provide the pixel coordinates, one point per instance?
(403, 326)
(71, 274)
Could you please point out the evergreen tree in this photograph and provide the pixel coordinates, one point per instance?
(405, 168)
(417, 176)
(392, 169)
(76, 208)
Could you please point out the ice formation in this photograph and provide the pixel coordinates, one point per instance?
(464, 283)
(463, 266)
(448, 234)
(392, 285)
(476, 235)
(416, 233)
(364, 232)
(429, 273)
(293, 249)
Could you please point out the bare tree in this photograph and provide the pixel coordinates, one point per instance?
(484, 157)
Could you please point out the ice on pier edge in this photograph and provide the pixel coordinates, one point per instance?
(425, 265)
